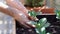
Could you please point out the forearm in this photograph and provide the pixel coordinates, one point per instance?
(15, 14)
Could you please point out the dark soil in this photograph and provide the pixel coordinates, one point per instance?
(20, 29)
(54, 28)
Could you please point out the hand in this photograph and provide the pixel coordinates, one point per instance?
(20, 9)
(18, 15)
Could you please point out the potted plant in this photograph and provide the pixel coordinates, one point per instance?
(34, 4)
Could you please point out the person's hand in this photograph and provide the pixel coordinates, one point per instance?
(21, 9)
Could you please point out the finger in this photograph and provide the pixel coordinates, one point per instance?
(25, 25)
(30, 24)
(33, 18)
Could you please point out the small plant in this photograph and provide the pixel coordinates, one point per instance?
(57, 14)
(41, 24)
(34, 3)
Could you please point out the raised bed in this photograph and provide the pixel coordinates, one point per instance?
(54, 28)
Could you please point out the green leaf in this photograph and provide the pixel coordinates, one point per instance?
(32, 13)
(40, 3)
(42, 21)
(46, 25)
(37, 30)
(41, 25)
(42, 29)
(44, 32)
(37, 25)
(48, 33)
(57, 14)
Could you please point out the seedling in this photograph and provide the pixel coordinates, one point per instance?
(41, 24)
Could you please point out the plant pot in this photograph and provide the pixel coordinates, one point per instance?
(34, 8)
(44, 10)
(48, 10)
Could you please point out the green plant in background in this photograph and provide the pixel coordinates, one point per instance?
(41, 24)
(34, 3)
(33, 13)
(57, 14)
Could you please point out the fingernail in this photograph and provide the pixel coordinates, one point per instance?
(33, 25)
